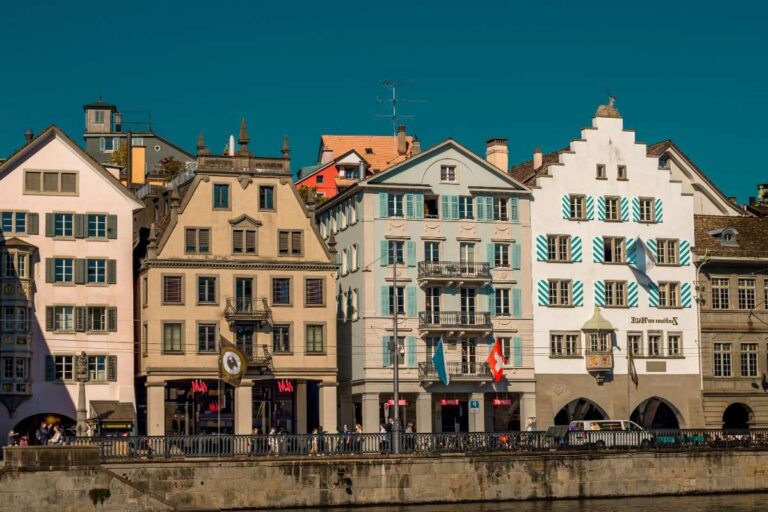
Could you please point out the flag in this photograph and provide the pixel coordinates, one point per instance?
(232, 362)
(496, 361)
(441, 366)
(632, 369)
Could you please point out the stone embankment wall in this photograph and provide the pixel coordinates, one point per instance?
(272, 483)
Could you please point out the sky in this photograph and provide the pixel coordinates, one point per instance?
(533, 72)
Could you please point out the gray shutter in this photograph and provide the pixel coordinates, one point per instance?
(50, 270)
(112, 319)
(80, 319)
(112, 271)
(112, 368)
(80, 271)
(50, 225)
(50, 368)
(49, 318)
(33, 223)
(79, 225)
(112, 226)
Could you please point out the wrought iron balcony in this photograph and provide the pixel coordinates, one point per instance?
(456, 370)
(258, 355)
(454, 321)
(247, 310)
(453, 271)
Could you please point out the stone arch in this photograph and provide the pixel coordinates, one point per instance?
(737, 416)
(29, 425)
(580, 409)
(657, 413)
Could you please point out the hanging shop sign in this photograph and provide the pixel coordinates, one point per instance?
(449, 402)
(403, 403)
(199, 386)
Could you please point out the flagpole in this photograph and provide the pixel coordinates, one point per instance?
(218, 408)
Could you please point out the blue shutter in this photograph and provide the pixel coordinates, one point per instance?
(652, 249)
(566, 206)
(517, 351)
(491, 253)
(410, 300)
(491, 293)
(445, 208)
(384, 253)
(600, 207)
(410, 358)
(653, 295)
(410, 249)
(542, 254)
(658, 210)
(576, 249)
(685, 252)
(624, 209)
(631, 247)
(454, 207)
(600, 293)
(636, 209)
(514, 209)
(383, 211)
(590, 202)
(489, 208)
(598, 249)
(578, 294)
(516, 256)
(386, 353)
(517, 302)
(632, 295)
(409, 206)
(418, 206)
(385, 301)
(542, 290)
(685, 295)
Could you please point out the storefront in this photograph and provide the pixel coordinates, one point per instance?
(505, 411)
(196, 407)
(110, 418)
(407, 410)
(274, 405)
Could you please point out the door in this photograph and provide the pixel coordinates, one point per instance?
(468, 356)
(468, 302)
(244, 338)
(244, 294)
(433, 305)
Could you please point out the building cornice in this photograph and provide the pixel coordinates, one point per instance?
(250, 265)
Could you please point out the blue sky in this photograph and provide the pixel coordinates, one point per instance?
(695, 72)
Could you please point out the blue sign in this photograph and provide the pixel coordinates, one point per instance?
(474, 405)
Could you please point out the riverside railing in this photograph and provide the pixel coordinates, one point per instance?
(351, 444)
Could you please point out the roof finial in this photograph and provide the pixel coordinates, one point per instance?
(201, 149)
(608, 110)
(243, 139)
(286, 147)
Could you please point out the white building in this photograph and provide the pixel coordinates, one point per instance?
(67, 288)
(612, 272)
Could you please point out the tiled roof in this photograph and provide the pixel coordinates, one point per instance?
(752, 237)
(524, 172)
(380, 151)
(306, 171)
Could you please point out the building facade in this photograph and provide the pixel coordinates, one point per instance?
(441, 239)
(237, 258)
(732, 258)
(67, 289)
(613, 273)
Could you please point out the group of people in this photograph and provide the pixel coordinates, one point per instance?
(51, 435)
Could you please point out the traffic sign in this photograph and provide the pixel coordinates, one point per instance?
(474, 406)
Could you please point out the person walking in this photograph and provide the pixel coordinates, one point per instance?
(42, 434)
(272, 441)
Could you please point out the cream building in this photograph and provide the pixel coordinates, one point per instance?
(237, 257)
(67, 288)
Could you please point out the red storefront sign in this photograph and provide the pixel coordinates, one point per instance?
(403, 403)
(449, 402)
(285, 386)
(199, 386)
(502, 401)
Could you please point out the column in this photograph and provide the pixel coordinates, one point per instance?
(301, 407)
(528, 411)
(244, 407)
(477, 419)
(328, 408)
(370, 412)
(424, 415)
(156, 408)
(347, 411)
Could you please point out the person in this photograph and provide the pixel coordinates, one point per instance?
(313, 442)
(384, 438)
(13, 438)
(346, 436)
(24, 442)
(358, 437)
(531, 424)
(255, 441)
(42, 434)
(57, 437)
(409, 441)
(272, 441)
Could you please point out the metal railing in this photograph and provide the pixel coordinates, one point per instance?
(238, 308)
(456, 369)
(258, 354)
(454, 270)
(454, 319)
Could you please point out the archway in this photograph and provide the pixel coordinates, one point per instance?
(656, 413)
(29, 425)
(579, 409)
(737, 416)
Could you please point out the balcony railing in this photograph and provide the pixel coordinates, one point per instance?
(454, 320)
(471, 369)
(453, 270)
(257, 355)
(247, 309)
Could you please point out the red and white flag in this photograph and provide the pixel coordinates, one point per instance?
(496, 361)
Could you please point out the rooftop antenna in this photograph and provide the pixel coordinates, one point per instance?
(394, 100)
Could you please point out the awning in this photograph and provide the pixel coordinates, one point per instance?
(106, 412)
(597, 323)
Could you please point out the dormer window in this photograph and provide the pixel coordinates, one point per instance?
(727, 236)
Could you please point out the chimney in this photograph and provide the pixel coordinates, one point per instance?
(361, 170)
(118, 122)
(538, 158)
(416, 146)
(28, 136)
(497, 153)
(401, 142)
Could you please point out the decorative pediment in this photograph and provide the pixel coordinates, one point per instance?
(245, 221)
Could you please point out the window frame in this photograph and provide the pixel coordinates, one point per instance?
(466, 207)
(163, 346)
(503, 302)
(273, 206)
(722, 359)
(651, 203)
(87, 220)
(272, 282)
(746, 295)
(667, 244)
(678, 352)
(307, 303)
(289, 328)
(198, 330)
(577, 201)
(395, 205)
(291, 252)
(182, 290)
(612, 243)
(450, 175)
(199, 279)
(600, 172)
(720, 295)
(217, 197)
(559, 302)
(569, 346)
(501, 255)
(749, 358)
(197, 230)
(612, 287)
(500, 209)
(323, 329)
(667, 291)
(612, 208)
(557, 243)
(58, 192)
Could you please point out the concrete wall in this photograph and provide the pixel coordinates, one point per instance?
(277, 484)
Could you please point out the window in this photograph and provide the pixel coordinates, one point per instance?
(749, 359)
(669, 294)
(315, 343)
(615, 294)
(432, 252)
(466, 207)
(564, 344)
(343, 212)
(746, 293)
(172, 337)
(197, 240)
(400, 292)
(9, 314)
(64, 367)
(313, 292)
(612, 211)
(206, 337)
(506, 348)
(667, 252)
(353, 303)
(431, 209)
(720, 292)
(98, 117)
(654, 344)
(621, 172)
(448, 173)
(63, 318)
(244, 241)
(614, 250)
(97, 368)
(50, 182)
(96, 319)
(281, 338)
(221, 195)
(500, 210)
(290, 243)
(722, 360)
(14, 265)
(354, 258)
(635, 343)
(97, 271)
(646, 209)
(502, 302)
(396, 251)
(281, 291)
(266, 197)
(559, 292)
(63, 270)
(107, 144)
(172, 290)
(599, 342)
(206, 290)
(577, 207)
(400, 350)
(97, 225)
(558, 248)
(600, 170)
(63, 225)
(394, 205)
(320, 179)
(14, 222)
(501, 255)
(674, 345)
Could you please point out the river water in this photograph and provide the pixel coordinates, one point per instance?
(722, 503)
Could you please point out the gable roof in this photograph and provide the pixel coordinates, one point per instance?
(525, 173)
(380, 151)
(49, 134)
(306, 172)
(752, 236)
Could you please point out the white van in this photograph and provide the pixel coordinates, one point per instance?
(608, 433)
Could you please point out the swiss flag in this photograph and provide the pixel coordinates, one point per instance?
(496, 361)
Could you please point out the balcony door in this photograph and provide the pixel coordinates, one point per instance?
(244, 294)
(244, 339)
(433, 305)
(468, 356)
(468, 303)
(467, 257)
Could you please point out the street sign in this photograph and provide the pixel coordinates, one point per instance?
(474, 406)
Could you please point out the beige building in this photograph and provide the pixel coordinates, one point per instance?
(236, 257)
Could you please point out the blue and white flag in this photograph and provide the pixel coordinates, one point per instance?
(441, 366)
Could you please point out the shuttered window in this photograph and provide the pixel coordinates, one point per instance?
(197, 241)
(281, 291)
(244, 241)
(281, 338)
(314, 292)
(172, 290)
(290, 243)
